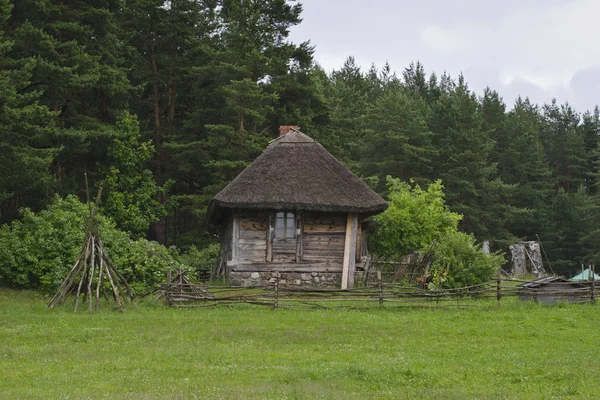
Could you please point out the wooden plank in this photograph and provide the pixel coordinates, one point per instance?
(341, 234)
(246, 234)
(253, 224)
(285, 267)
(349, 252)
(336, 260)
(324, 247)
(252, 244)
(285, 258)
(325, 253)
(324, 229)
(359, 240)
(352, 253)
(252, 257)
(325, 250)
(278, 247)
(325, 237)
(270, 239)
(235, 246)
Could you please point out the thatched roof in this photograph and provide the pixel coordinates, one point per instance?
(295, 172)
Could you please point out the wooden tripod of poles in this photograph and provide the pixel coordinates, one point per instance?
(92, 268)
(91, 271)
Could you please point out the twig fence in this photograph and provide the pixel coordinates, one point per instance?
(378, 294)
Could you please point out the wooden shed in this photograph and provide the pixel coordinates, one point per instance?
(295, 213)
(551, 289)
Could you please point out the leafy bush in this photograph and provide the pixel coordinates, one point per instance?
(201, 260)
(458, 262)
(418, 220)
(38, 250)
(413, 220)
(142, 262)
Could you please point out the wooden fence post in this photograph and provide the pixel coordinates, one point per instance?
(380, 288)
(498, 290)
(168, 291)
(593, 272)
(276, 305)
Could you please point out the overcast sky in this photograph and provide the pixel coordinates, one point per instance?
(536, 48)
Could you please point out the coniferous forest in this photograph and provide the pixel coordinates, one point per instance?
(165, 102)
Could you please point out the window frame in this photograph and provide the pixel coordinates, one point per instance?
(285, 219)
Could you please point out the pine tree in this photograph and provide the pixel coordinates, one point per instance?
(564, 145)
(26, 130)
(590, 130)
(473, 187)
(399, 141)
(77, 58)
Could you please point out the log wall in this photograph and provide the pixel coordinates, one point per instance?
(323, 239)
(252, 237)
(317, 249)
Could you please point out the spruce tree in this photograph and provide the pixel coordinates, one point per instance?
(26, 132)
(463, 163)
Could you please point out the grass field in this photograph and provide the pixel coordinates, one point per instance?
(515, 351)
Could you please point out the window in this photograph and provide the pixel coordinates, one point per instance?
(285, 225)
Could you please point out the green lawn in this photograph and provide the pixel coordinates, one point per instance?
(515, 351)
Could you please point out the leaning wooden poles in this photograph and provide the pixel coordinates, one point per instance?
(93, 268)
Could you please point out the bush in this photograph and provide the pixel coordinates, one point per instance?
(38, 250)
(142, 262)
(201, 260)
(413, 220)
(418, 220)
(458, 262)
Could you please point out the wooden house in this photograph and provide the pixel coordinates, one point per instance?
(294, 214)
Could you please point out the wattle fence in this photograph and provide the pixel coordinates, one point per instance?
(181, 293)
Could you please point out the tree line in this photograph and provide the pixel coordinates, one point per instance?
(165, 102)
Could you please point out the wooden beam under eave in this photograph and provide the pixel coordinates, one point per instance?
(349, 264)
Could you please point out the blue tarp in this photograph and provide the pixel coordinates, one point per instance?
(585, 276)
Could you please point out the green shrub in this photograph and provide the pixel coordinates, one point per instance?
(458, 262)
(38, 250)
(418, 220)
(415, 217)
(201, 260)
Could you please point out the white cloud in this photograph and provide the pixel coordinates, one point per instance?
(536, 48)
(441, 39)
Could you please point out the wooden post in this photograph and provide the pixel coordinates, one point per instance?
(235, 238)
(498, 292)
(349, 252)
(593, 273)
(379, 286)
(276, 305)
(270, 238)
(169, 299)
(299, 230)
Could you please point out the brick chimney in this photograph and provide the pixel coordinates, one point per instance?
(285, 129)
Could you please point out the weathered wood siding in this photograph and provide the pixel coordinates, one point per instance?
(318, 246)
(252, 237)
(323, 238)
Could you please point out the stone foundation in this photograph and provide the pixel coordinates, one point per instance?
(249, 279)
